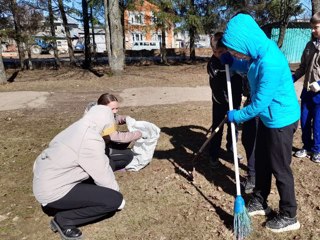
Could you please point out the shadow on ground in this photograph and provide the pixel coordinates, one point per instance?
(186, 141)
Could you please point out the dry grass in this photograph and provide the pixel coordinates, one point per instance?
(161, 203)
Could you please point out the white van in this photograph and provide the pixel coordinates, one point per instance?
(145, 45)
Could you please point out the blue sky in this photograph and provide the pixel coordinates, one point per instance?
(307, 5)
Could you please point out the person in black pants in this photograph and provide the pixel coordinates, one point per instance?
(117, 142)
(249, 133)
(73, 180)
(268, 140)
(220, 105)
(274, 101)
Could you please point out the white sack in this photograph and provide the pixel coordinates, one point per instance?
(145, 146)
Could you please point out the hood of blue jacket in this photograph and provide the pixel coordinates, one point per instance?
(243, 35)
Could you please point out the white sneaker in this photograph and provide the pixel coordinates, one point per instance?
(301, 153)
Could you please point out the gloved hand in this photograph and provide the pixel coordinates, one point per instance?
(230, 115)
(226, 58)
(315, 86)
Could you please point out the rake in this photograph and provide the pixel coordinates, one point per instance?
(241, 221)
(198, 154)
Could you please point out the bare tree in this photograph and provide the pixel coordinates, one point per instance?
(53, 34)
(116, 51)
(192, 31)
(315, 6)
(107, 27)
(164, 20)
(15, 14)
(30, 23)
(94, 45)
(288, 8)
(66, 27)
(3, 77)
(87, 49)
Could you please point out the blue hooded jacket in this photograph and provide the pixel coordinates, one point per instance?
(272, 91)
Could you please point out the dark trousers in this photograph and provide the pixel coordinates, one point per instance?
(310, 124)
(248, 138)
(273, 157)
(219, 112)
(85, 203)
(119, 155)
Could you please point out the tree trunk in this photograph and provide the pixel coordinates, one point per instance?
(163, 48)
(16, 20)
(28, 53)
(87, 50)
(116, 36)
(192, 48)
(122, 9)
(53, 34)
(3, 77)
(284, 5)
(282, 32)
(94, 48)
(66, 27)
(315, 6)
(107, 30)
(192, 32)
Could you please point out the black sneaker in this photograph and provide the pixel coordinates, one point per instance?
(249, 184)
(66, 234)
(281, 223)
(255, 207)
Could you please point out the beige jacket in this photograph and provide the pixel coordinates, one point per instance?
(74, 155)
(112, 134)
(310, 64)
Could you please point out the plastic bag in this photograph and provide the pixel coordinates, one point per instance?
(144, 147)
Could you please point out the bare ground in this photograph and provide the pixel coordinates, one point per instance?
(161, 203)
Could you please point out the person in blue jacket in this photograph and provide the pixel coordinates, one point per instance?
(274, 101)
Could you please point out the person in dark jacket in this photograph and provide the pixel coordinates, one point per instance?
(310, 95)
(220, 105)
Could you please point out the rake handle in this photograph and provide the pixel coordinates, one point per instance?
(198, 154)
(233, 132)
(212, 135)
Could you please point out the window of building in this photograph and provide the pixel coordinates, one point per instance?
(136, 18)
(137, 37)
(155, 37)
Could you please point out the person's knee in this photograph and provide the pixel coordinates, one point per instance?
(114, 202)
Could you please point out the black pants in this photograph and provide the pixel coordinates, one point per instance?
(249, 133)
(119, 155)
(85, 203)
(219, 111)
(273, 157)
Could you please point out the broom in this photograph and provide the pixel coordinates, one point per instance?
(241, 221)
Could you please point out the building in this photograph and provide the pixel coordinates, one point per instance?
(61, 38)
(140, 28)
(296, 37)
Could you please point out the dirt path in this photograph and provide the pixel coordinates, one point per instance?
(144, 96)
(22, 99)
